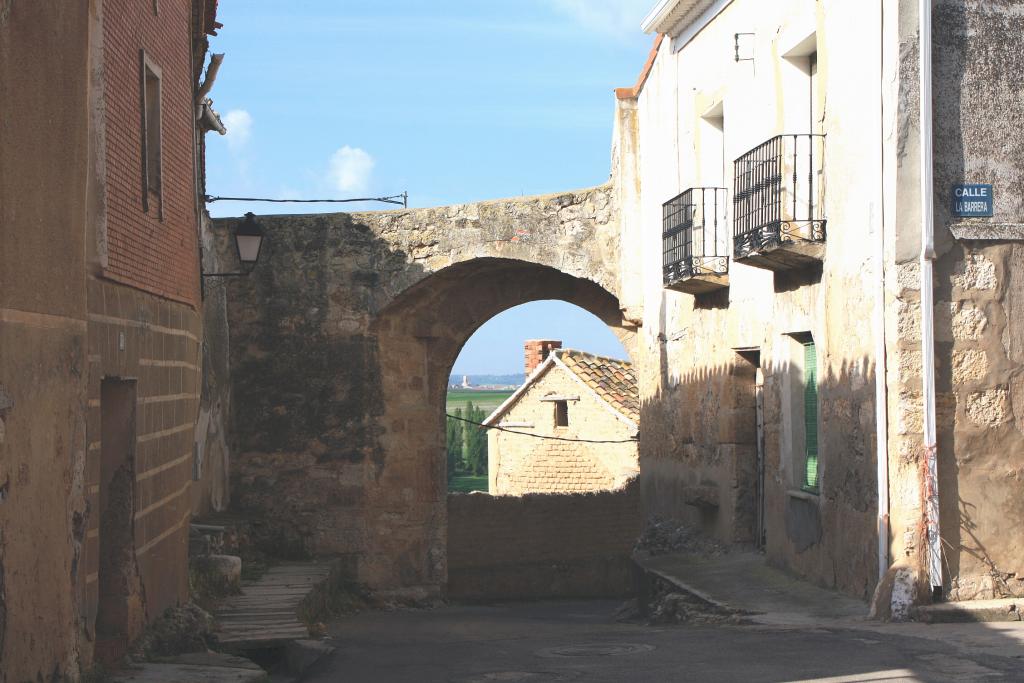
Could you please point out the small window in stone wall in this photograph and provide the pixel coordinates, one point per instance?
(561, 413)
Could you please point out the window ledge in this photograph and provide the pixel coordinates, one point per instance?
(522, 425)
(800, 494)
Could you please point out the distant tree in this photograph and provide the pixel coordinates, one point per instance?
(476, 441)
(453, 433)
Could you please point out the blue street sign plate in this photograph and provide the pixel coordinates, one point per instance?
(972, 201)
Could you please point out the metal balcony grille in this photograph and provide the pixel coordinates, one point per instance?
(778, 194)
(694, 234)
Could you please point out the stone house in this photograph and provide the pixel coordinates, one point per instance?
(828, 365)
(570, 395)
(100, 323)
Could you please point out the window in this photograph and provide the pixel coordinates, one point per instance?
(810, 470)
(712, 147)
(561, 413)
(152, 195)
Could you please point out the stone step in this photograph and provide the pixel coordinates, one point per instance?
(1003, 609)
(265, 613)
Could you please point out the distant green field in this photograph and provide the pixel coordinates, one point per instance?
(467, 484)
(487, 400)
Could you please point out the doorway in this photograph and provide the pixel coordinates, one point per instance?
(753, 358)
(118, 612)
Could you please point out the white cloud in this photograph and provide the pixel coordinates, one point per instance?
(239, 125)
(350, 169)
(618, 18)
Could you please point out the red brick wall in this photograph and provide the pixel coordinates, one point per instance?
(536, 351)
(145, 251)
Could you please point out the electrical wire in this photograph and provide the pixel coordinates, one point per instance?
(536, 436)
(401, 199)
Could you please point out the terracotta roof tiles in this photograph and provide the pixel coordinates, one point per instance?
(612, 379)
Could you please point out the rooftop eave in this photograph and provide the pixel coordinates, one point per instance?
(675, 17)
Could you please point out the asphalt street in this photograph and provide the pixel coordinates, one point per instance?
(582, 641)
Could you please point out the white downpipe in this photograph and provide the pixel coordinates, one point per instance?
(881, 370)
(881, 405)
(931, 492)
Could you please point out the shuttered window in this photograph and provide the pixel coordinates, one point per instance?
(810, 482)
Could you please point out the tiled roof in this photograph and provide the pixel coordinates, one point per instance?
(612, 379)
(627, 93)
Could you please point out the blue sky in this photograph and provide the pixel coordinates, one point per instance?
(452, 101)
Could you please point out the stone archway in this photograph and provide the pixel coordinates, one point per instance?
(419, 337)
(340, 342)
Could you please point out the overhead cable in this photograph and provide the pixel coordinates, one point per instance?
(538, 436)
(400, 199)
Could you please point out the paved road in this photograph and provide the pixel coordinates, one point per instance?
(581, 641)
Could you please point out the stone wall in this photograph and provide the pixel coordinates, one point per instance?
(44, 76)
(342, 341)
(542, 546)
(978, 313)
(520, 464)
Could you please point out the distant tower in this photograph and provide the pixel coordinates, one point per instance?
(465, 381)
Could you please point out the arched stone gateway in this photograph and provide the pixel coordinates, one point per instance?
(341, 342)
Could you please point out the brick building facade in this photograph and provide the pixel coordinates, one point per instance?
(100, 324)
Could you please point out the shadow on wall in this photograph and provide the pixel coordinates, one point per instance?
(305, 380)
(699, 462)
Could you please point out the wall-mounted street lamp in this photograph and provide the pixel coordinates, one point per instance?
(248, 244)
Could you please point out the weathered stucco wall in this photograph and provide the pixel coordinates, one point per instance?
(868, 73)
(520, 464)
(212, 491)
(542, 545)
(43, 184)
(341, 344)
(698, 451)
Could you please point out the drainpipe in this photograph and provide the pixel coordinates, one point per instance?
(881, 408)
(881, 370)
(931, 483)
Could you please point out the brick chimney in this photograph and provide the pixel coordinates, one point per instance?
(537, 351)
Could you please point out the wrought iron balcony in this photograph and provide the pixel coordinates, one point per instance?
(695, 247)
(778, 217)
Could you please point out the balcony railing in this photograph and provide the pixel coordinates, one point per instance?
(694, 235)
(778, 195)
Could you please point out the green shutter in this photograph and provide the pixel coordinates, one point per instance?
(810, 416)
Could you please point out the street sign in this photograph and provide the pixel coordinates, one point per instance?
(972, 201)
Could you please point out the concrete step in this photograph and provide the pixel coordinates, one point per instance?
(1004, 609)
(743, 583)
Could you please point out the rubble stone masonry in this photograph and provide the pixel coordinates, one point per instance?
(978, 315)
(342, 341)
